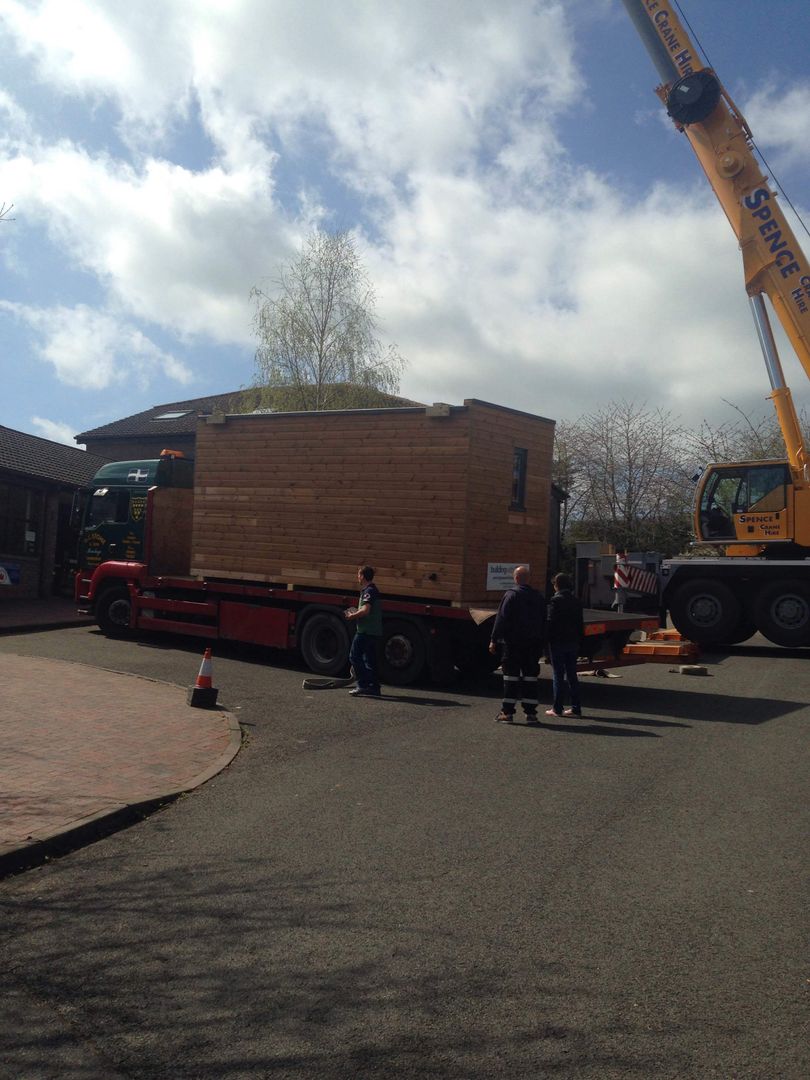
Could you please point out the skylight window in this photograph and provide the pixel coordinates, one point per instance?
(172, 415)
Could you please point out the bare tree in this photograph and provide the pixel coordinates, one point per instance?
(5, 211)
(568, 473)
(317, 330)
(742, 439)
(626, 471)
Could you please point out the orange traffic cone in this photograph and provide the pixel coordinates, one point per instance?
(202, 694)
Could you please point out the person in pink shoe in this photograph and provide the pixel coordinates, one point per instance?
(564, 631)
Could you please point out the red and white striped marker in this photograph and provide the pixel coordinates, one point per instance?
(621, 574)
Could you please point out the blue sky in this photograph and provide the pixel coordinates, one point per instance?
(537, 232)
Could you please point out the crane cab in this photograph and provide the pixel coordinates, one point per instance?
(749, 502)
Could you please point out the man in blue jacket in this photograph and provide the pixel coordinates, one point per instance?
(520, 627)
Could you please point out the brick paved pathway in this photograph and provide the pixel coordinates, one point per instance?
(78, 744)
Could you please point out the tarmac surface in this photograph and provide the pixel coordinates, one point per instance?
(402, 889)
(85, 750)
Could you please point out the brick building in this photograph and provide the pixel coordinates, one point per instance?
(38, 479)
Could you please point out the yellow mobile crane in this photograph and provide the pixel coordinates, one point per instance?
(757, 512)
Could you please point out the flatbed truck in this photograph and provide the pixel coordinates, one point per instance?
(147, 524)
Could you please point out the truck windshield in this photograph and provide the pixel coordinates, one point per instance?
(108, 504)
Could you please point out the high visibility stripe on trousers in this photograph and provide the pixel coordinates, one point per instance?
(509, 684)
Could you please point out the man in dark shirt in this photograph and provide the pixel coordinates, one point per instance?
(520, 627)
(367, 617)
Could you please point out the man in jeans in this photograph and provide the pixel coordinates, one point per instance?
(520, 626)
(565, 630)
(367, 617)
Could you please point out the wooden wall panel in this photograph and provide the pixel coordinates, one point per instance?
(171, 530)
(304, 498)
(496, 533)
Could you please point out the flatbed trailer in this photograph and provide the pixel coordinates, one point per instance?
(418, 638)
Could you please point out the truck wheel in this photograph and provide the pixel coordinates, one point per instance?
(782, 611)
(113, 610)
(706, 612)
(324, 643)
(403, 653)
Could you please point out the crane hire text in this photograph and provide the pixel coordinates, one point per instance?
(681, 54)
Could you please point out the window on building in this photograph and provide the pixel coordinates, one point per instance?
(519, 463)
(20, 518)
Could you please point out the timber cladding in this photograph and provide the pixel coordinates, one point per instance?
(303, 499)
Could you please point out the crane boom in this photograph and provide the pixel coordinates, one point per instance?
(773, 262)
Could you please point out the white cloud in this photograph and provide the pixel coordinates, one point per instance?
(780, 121)
(92, 349)
(13, 118)
(54, 430)
(556, 313)
(418, 86)
(176, 247)
(183, 248)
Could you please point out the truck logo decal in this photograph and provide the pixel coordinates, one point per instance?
(137, 507)
(137, 475)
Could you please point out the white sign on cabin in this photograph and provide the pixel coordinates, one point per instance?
(499, 575)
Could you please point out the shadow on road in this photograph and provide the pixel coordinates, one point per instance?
(714, 653)
(576, 727)
(692, 706)
(433, 702)
(188, 968)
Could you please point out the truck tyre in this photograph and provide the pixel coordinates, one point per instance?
(324, 643)
(706, 612)
(403, 653)
(113, 611)
(782, 612)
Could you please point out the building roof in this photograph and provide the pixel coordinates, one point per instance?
(180, 417)
(30, 455)
(173, 418)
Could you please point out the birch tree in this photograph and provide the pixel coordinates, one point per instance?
(317, 330)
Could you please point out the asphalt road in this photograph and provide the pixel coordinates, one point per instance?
(403, 888)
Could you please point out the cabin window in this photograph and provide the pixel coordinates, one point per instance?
(519, 463)
(20, 516)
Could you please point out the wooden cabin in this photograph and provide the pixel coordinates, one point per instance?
(433, 498)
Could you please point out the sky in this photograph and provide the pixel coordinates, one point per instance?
(537, 232)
